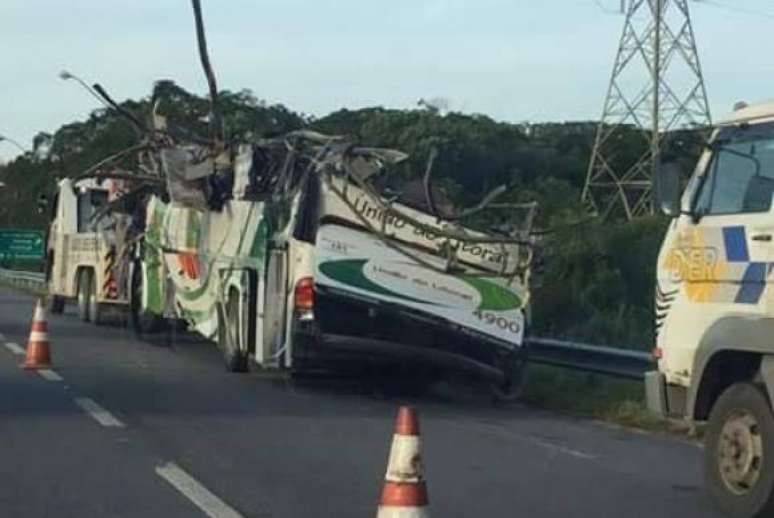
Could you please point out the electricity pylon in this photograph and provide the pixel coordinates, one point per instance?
(657, 49)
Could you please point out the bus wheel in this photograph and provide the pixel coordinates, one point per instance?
(739, 452)
(143, 322)
(230, 336)
(84, 294)
(509, 390)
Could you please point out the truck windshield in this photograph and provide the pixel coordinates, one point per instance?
(740, 174)
(89, 203)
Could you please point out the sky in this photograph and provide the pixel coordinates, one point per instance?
(513, 60)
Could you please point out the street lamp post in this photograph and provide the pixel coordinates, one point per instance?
(12, 141)
(66, 76)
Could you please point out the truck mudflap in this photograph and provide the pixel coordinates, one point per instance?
(655, 393)
(349, 328)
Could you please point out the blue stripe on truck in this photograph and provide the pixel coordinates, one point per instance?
(736, 244)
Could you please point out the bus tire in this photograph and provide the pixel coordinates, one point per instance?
(230, 339)
(143, 322)
(509, 389)
(739, 452)
(84, 291)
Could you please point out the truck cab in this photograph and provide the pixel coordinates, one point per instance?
(714, 308)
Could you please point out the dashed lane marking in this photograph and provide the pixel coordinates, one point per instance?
(534, 440)
(50, 375)
(562, 449)
(14, 348)
(99, 414)
(201, 497)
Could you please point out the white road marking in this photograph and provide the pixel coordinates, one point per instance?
(536, 441)
(14, 348)
(202, 497)
(562, 449)
(99, 414)
(50, 375)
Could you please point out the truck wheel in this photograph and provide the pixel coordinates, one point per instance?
(739, 453)
(96, 310)
(56, 304)
(84, 294)
(230, 339)
(143, 322)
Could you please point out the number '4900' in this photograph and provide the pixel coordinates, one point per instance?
(501, 322)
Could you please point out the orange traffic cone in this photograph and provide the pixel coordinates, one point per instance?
(38, 352)
(404, 494)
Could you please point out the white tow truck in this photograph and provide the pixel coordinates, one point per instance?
(715, 308)
(88, 259)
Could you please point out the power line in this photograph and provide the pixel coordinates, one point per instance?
(736, 9)
(712, 3)
(607, 10)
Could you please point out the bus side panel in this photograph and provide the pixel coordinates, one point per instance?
(357, 262)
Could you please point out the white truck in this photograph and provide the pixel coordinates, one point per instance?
(715, 309)
(88, 254)
(285, 253)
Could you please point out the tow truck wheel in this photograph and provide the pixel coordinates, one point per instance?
(230, 339)
(84, 294)
(96, 310)
(739, 452)
(56, 304)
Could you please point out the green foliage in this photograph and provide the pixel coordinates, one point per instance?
(596, 279)
(78, 145)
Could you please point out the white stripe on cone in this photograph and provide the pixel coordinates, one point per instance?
(38, 336)
(403, 512)
(404, 464)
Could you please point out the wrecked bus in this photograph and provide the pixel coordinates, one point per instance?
(292, 252)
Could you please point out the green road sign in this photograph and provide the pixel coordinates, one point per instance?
(21, 244)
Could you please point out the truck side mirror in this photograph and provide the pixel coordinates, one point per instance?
(666, 188)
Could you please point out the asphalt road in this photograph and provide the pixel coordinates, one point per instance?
(125, 427)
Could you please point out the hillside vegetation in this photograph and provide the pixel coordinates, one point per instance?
(595, 279)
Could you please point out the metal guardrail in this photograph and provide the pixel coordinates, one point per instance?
(27, 280)
(622, 363)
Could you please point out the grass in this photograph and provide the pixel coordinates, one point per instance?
(596, 396)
